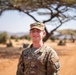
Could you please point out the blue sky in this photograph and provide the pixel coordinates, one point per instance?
(13, 21)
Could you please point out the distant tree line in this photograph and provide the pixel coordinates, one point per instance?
(4, 37)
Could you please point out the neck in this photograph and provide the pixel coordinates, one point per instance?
(37, 44)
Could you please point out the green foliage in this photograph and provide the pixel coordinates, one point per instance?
(3, 37)
(61, 43)
(14, 37)
(9, 44)
(67, 31)
(27, 37)
(52, 38)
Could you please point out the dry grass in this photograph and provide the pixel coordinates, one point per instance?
(9, 57)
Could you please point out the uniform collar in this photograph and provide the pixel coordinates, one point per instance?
(40, 50)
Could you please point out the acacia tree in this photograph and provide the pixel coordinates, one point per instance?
(59, 11)
(71, 33)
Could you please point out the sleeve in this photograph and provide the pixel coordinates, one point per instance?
(20, 67)
(53, 65)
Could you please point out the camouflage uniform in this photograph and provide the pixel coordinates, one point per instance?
(38, 61)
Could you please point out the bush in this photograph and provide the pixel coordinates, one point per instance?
(14, 37)
(3, 37)
(52, 38)
(9, 44)
(27, 37)
(61, 42)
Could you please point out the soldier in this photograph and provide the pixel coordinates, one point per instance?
(38, 59)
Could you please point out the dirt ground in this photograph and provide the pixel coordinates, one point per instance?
(9, 58)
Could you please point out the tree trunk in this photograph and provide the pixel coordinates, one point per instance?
(47, 36)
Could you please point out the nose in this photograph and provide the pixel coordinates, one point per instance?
(35, 32)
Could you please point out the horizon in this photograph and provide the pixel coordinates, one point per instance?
(28, 31)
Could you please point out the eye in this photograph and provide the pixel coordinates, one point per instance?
(37, 31)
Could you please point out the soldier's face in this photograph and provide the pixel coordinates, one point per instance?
(36, 34)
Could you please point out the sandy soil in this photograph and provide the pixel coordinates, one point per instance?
(9, 59)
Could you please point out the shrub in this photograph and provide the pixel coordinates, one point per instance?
(9, 44)
(3, 37)
(14, 37)
(27, 37)
(52, 38)
(61, 42)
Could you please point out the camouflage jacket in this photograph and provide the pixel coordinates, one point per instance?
(41, 61)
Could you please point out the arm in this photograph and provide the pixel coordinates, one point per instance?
(20, 68)
(53, 65)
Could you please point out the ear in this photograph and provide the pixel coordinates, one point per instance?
(44, 33)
